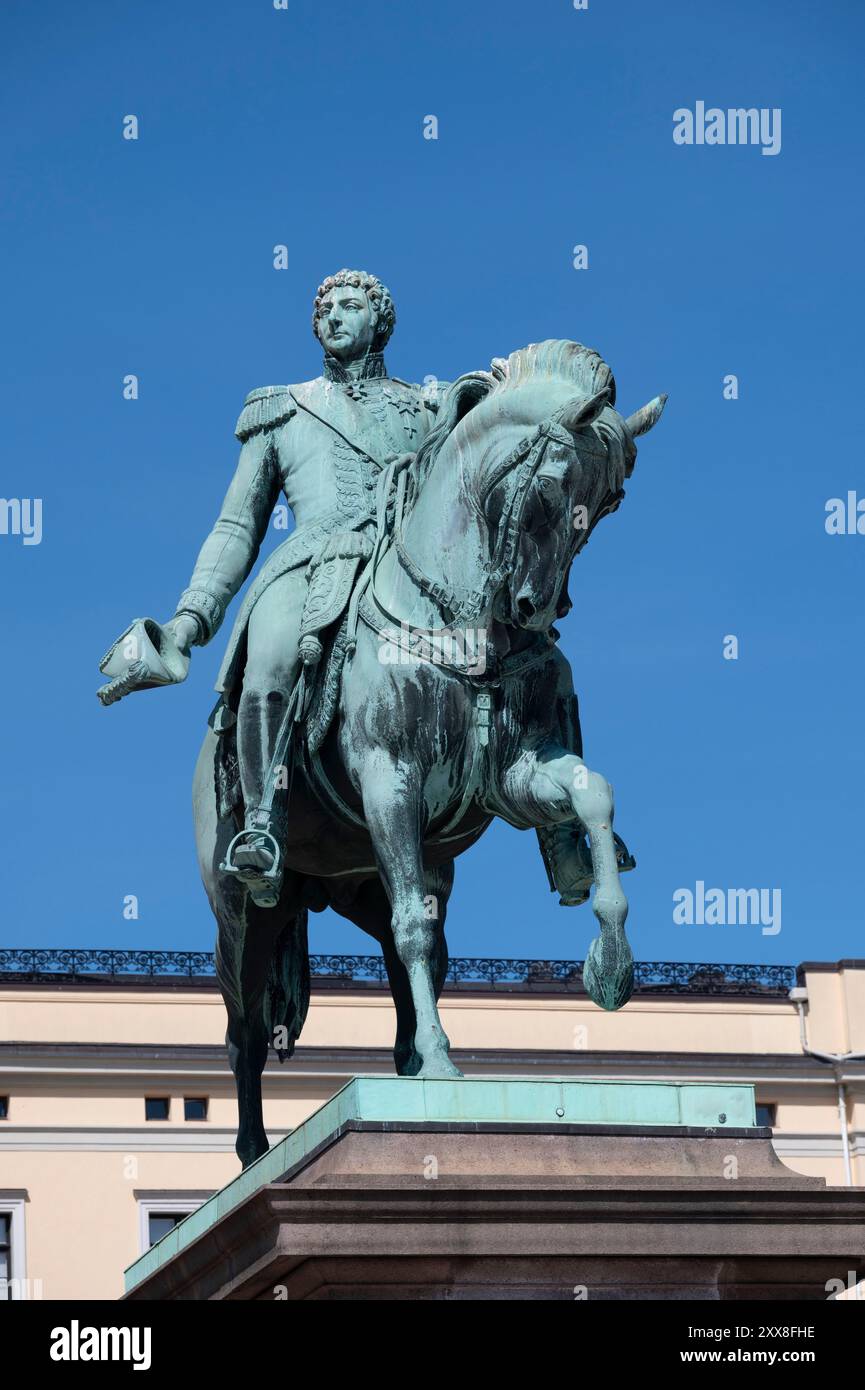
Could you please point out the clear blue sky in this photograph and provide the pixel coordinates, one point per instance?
(304, 127)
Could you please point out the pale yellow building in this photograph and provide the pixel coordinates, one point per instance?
(117, 1108)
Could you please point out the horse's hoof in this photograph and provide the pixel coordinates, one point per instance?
(252, 1151)
(439, 1069)
(407, 1061)
(608, 972)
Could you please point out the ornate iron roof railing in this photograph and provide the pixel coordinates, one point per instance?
(44, 965)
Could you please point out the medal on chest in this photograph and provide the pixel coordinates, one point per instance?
(395, 412)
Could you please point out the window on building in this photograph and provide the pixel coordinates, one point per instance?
(156, 1107)
(160, 1212)
(13, 1282)
(766, 1115)
(4, 1107)
(5, 1255)
(159, 1223)
(195, 1107)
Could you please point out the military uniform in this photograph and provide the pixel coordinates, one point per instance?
(323, 445)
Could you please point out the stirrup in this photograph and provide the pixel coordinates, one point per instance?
(625, 861)
(263, 885)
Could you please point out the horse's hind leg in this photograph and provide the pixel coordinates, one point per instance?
(439, 883)
(262, 967)
(260, 964)
(370, 910)
(247, 1042)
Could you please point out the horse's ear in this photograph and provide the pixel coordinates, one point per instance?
(581, 411)
(643, 420)
(463, 395)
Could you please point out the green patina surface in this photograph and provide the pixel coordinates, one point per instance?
(480, 1100)
(436, 528)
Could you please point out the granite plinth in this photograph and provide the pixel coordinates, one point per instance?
(506, 1189)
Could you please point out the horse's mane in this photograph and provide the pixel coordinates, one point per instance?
(557, 358)
(561, 359)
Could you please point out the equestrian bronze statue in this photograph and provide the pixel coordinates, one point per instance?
(393, 681)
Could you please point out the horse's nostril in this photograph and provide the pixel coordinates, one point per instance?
(525, 608)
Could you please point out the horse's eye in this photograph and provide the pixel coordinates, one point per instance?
(550, 495)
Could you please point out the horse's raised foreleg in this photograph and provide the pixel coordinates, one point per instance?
(555, 785)
(392, 808)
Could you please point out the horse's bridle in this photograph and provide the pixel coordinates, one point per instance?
(521, 466)
(470, 608)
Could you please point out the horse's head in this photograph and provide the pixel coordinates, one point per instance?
(552, 455)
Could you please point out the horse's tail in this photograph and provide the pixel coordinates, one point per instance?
(286, 992)
(265, 983)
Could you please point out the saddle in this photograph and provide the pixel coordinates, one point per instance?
(333, 577)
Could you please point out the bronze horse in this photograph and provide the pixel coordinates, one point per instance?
(466, 715)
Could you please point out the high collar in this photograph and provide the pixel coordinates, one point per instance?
(362, 370)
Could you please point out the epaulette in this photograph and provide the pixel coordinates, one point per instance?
(264, 409)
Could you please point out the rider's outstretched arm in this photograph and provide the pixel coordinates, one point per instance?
(231, 549)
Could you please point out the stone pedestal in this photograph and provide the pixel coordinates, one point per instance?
(508, 1189)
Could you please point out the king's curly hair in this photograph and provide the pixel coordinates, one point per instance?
(377, 293)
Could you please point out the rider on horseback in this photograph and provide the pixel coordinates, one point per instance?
(324, 444)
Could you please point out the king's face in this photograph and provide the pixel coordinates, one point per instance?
(347, 323)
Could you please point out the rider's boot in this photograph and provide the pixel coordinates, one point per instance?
(255, 855)
(568, 860)
(256, 851)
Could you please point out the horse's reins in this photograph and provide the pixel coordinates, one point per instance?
(522, 464)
